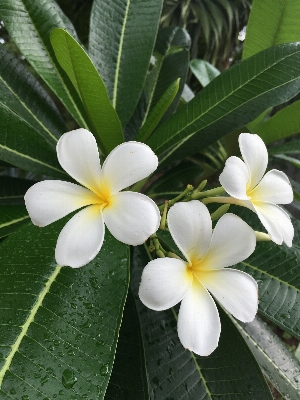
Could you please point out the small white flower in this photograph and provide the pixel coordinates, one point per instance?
(245, 182)
(130, 217)
(167, 281)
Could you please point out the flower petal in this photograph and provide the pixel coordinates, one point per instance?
(235, 178)
(255, 155)
(127, 164)
(276, 221)
(199, 324)
(48, 201)
(81, 238)
(236, 291)
(131, 217)
(274, 187)
(191, 228)
(77, 153)
(165, 282)
(232, 241)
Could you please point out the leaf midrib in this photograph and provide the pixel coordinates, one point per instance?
(271, 276)
(30, 319)
(180, 143)
(29, 111)
(55, 68)
(257, 345)
(208, 392)
(114, 100)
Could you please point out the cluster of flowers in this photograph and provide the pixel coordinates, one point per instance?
(132, 217)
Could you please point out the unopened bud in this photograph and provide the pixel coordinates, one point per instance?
(262, 237)
(220, 212)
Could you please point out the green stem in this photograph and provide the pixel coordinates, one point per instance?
(188, 189)
(212, 192)
(222, 200)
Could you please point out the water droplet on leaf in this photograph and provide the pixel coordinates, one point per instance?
(68, 378)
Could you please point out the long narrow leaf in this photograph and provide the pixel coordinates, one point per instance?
(129, 379)
(230, 101)
(277, 270)
(59, 326)
(29, 23)
(158, 111)
(24, 95)
(23, 147)
(278, 364)
(90, 87)
(122, 37)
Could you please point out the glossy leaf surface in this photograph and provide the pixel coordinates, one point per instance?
(128, 379)
(23, 94)
(104, 121)
(230, 372)
(122, 37)
(230, 101)
(278, 364)
(29, 22)
(158, 111)
(59, 326)
(22, 146)
(277, 270)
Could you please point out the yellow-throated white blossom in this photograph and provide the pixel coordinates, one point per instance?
(167, 281)
(247, 185)
(130, 217)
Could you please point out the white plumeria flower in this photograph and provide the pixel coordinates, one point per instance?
(130, 217)
(247, 185)
(167, 281)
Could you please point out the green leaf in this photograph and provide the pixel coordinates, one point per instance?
(292, 160)
(13, 189)
(278, 363)
(171, 62)
(292, 147)
(283, 124)
(174, 181)
(128, 378)
(23, 147)
(12, 218)
(29, 23)
(23, 94)
(277, 271)
(90, 87)
(230, 372)
(158, 111)
(204, 71)
(269, 25)
(59, 326)
(122, 37)
(229, 102)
